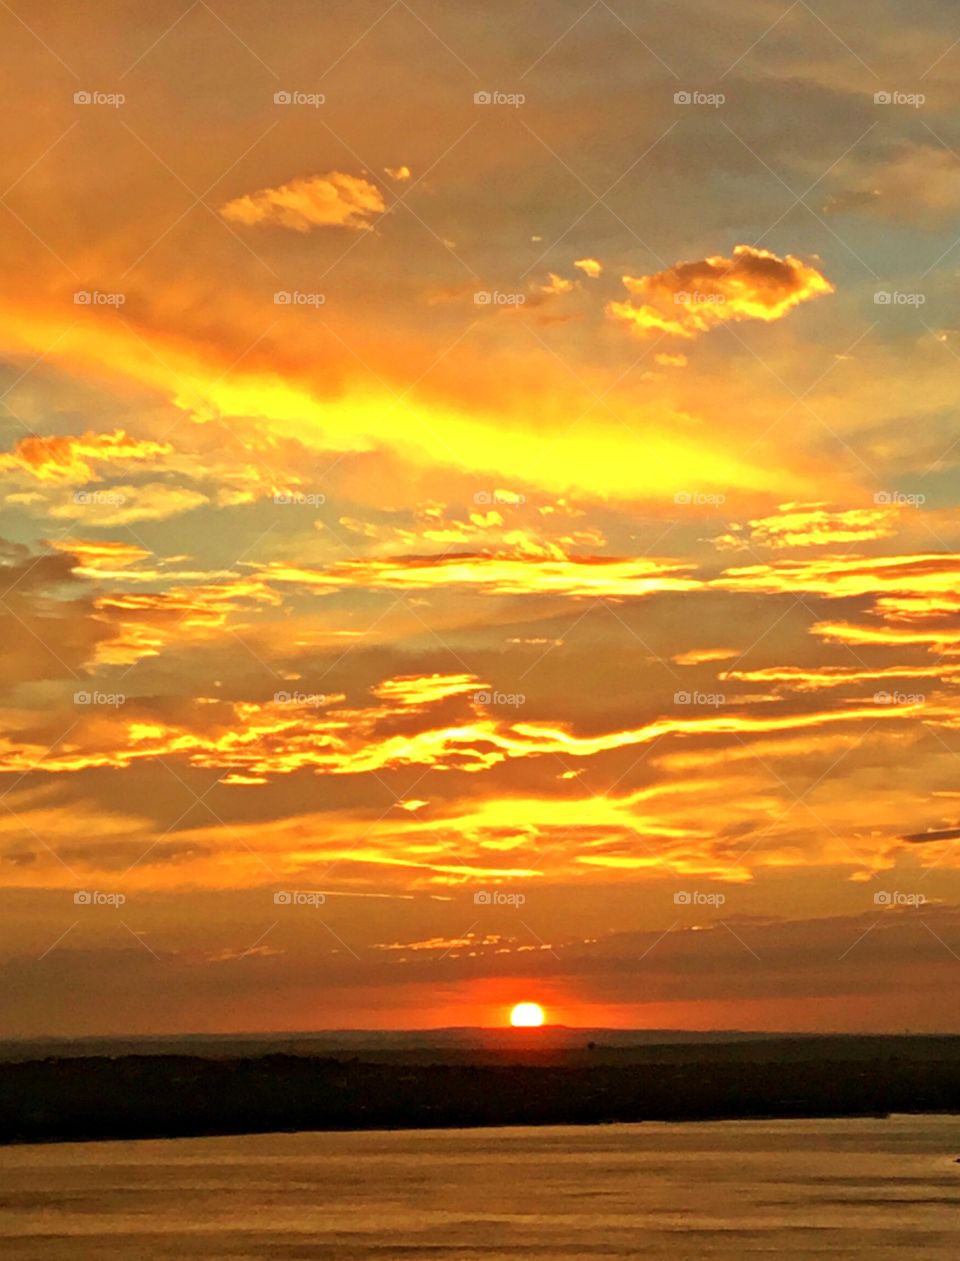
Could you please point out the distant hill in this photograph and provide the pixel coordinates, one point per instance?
(465, 1038)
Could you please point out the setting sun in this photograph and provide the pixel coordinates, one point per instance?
(526, 1016)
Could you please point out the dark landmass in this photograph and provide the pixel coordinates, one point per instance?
(463, 1042)
(523, 1080)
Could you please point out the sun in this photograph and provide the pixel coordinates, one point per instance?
(527, 1016)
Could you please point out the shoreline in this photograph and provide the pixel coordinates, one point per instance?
(448, 1129)
(126, 1097)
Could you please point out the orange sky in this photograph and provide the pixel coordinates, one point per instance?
(478, 517)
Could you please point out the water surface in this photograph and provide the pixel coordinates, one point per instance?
(839, 1189)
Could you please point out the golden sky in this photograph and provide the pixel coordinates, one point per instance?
(493, 467)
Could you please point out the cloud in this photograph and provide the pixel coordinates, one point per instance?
(556, 285)
(334, 200)
(691, 298)
(415, 690)
(671, 361)
(120, 505)
(936, 834)
(71, 458)
(924, 574)
(700, 656)
(589, 266)
(801, 679)
(96, 556)
(810, 525)
(399, 173)
(913, 184)
(500, 575)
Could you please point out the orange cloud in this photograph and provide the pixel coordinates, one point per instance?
(692, 298)
(838, 576)
(68, 458)
(334, 200)
(144, 623)
(97, 555)
(280, 737)
(799, 679)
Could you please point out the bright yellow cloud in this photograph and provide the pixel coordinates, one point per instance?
(590, 267)
(334, 200)
(691, 298)
(811, 525)
(501, 575)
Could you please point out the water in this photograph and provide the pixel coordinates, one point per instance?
(837, 1189)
